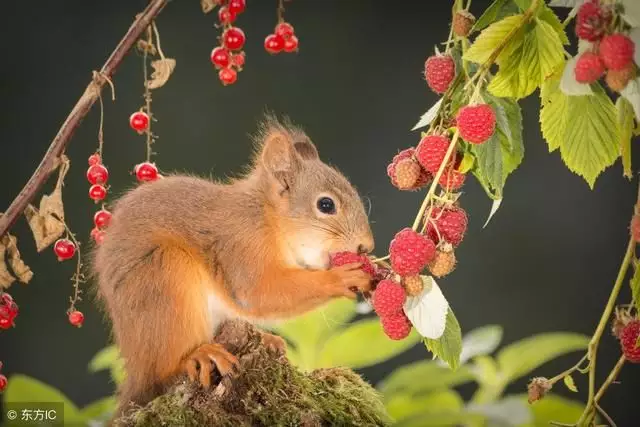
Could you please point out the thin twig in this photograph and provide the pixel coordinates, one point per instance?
(79, 111)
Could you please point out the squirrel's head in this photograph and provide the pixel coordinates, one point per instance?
(317, 211)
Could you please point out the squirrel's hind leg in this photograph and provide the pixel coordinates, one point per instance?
(200, 363)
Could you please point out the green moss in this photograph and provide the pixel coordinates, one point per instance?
(268, 391)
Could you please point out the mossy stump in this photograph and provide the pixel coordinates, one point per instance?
(268, 391)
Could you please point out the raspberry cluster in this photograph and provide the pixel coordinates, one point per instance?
(388, 302)
(229, 58)
(8, 311)
(611, 51)
(3, 380)
(97, 175)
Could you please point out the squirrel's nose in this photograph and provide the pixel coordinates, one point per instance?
(366, 245)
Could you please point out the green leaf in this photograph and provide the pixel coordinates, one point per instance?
(489, 39)
(522, 357)
(117, 372)
(495, 12)
(449, 346)
(583, 127)
(553, 408)
(429, 419)
(402, 406)
(104, 359)
(100, 409)
(480, 341)
(467, 163)
(309, 332)
(568, 381)
(625, 121)
(423, 376)
(485, 370)
(635, 285)
(510, 411)
(527, 60)
(362, 344)
(546, 14)
(22, 388)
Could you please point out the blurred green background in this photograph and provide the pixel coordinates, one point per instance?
(544, 264)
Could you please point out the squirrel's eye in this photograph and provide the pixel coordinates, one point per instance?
(326, 205)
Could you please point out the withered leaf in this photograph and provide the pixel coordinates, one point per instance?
(144, 45)
(6, 278)
(162, 69)
(208, 5)
(21, 270)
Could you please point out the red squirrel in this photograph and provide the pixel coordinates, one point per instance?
(183, 254)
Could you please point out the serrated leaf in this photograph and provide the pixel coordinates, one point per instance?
(522, 357)
(428, 311)
(568, 381)
(449, 346)
(568, 83)
(626, 125)
(495, 205)
(489, 39)
(547, 15)
(489, 162)
(480, 342)
(635, 286)
(423, 376)
(362, 344)
(565, 3)
(527, 61)
(495, 12)
(583, 127)
(632, 94)
(427, 118)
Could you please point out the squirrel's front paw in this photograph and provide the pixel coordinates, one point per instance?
(200, 364)
(350, 279)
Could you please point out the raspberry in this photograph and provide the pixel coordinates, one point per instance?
(628, 338)
(410, 252)
(617, 79)
(3, 382)
(431, 151)
(452, 179)
(388, 298)
(443, 263)
(476, 123)
(462, 23)
(617, 51)
(413, 285)
(342, 258)
(635, 228)
(396, 326)
(408, 153)
(439, 70)
(447, 224)
(408, 173)
(592, 20)
(589, 68)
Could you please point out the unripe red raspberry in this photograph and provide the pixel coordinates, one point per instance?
(439, 71)
(447, 224)
(431, 150)
(628, 338)
(3, 382)
(413, 285)
(592, 20)
(396, 326)
(408, 173)
(589, 68)
(408, 153)
(617, 79)
(617, 51)
(462, 23)
(452, 179)
(476, 123)
(443, 263)
(635, 228)
(388, 298)
(410, 252)
(342, 258)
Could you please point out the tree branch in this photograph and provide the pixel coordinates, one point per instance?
(79, 111)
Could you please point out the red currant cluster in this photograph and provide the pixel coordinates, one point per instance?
(229, 58)
(283, 39)
(8, 311)
(3, 380)
(97, 175)
(145, 171)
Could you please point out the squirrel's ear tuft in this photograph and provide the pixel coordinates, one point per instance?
(279, 157)
(306, 149)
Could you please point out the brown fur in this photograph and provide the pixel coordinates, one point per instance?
(257, 247)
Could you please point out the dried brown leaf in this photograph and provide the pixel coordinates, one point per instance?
(208, 5)
(162, 69)
(144, 45)
(21, 270)
(6, 278)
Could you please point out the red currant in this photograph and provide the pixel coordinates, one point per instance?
(3, 382)
(238, 60)
(233, 38)
(291, 44)
(226, 16)
(76, 318)
(273, 43)
(284, 30)
(220, 57)
(98, 235)
(65, 249)
(5, 323)
(97, 192)
(147, 171)
(97, 174)
(94, 159)
(228, 76)
(237, 6)
(102, 218)
(139, 121)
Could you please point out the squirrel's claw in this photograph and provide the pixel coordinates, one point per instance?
(199, 364)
